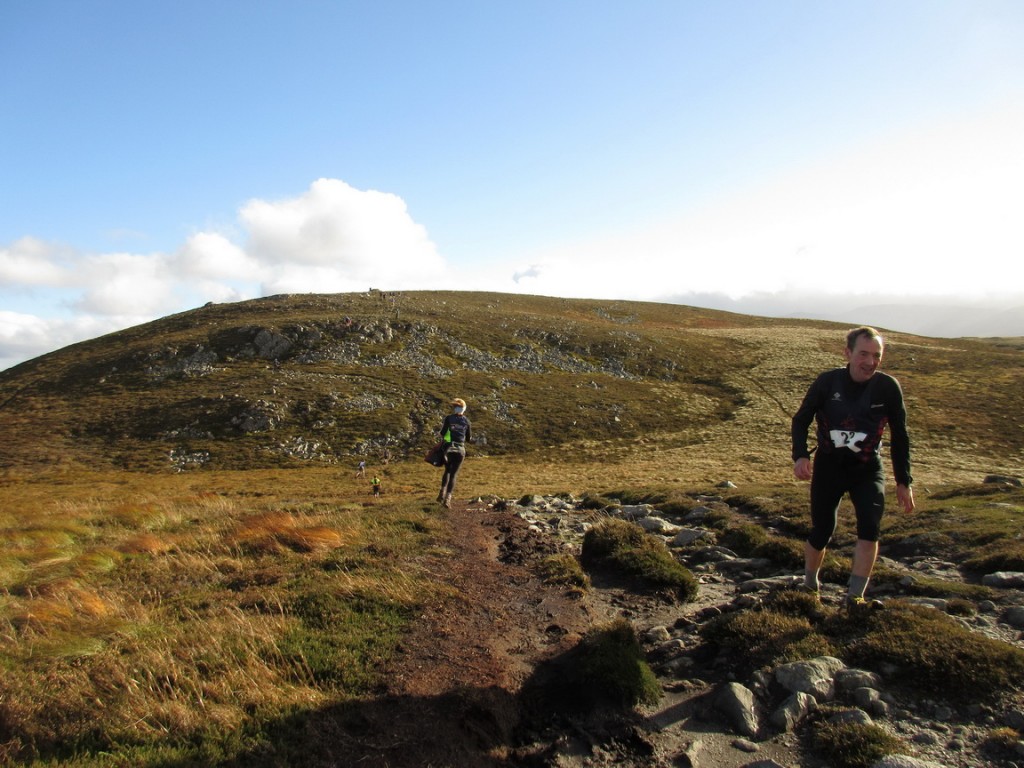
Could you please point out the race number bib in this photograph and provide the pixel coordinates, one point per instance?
(842, 438)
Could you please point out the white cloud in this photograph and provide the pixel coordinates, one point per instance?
(349, 237)
(929, 212)
(125, 284)
(31, 262)
(211, 255)
(333, 238)
(24, 336)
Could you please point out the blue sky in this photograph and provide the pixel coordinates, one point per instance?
(158, 155)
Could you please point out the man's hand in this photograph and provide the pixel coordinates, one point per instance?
(802, 469)
(905, 496)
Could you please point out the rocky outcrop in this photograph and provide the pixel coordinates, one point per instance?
(775, 702)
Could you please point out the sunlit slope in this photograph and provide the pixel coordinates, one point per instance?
(300, 379)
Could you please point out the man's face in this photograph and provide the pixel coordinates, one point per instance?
(864, 358)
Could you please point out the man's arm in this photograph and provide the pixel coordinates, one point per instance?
(899, 436)
(802, 421)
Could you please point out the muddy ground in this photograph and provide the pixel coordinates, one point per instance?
(459, 694)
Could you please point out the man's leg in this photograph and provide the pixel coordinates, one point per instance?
(826, 492)
(865, 553)
(813, 559)
(868, 497)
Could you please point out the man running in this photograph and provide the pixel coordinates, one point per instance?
(852, 406)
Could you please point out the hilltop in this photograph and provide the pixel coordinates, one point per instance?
(315, 380)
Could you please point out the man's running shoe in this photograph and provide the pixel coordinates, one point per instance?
(858, 607)
(816, 611)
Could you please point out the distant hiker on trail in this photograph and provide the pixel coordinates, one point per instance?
(852, 406)
(361, 469)
(455, 431)
(375, 484)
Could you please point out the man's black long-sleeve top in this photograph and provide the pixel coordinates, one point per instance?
(851, 418)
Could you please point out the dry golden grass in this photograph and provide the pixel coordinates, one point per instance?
(144, 612)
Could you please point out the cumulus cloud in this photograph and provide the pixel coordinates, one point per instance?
(332, 238)
(211, 255)
(31, 262)
(125, 284)
(347, 235)
(24, 336)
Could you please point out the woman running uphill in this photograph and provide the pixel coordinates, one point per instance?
(852, 407)
(455, 431)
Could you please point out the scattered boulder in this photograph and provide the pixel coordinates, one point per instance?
(1004, 579)
(815, 676)
(793, 711)
(737, 703)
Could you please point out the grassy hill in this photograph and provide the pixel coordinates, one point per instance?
(306, 380)
(190, 573)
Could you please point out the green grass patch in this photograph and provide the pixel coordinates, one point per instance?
(565, 570)
(930, 652)
(854, 745)
(606, 669)
(919, 647)
(341, 641)
(626, 548)
(774, 635)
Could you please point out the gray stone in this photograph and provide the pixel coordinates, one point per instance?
(653, 524)
(865, 697)
(635, 511)
(736, 702)
(1007, 479)
(1015, 719)
(814, 676)
(657, 635)
(851, 717)
(745, 745)
(1004, 579)
(937, 603)
(851, 679)
(904, 761)
(686, 536)
(1015, 616)
(793, 710)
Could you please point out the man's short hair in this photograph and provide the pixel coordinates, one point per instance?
(866, 331)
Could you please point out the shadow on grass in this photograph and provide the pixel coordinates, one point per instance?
(598, 682)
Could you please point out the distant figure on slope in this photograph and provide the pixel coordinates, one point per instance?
(852, 406)
(361, 469)
(455, 431)
(375, 483)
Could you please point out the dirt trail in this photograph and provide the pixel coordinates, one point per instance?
(453, 696)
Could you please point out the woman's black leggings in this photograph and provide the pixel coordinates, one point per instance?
(452, 464)
(832, 479)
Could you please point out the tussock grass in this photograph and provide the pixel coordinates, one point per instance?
(915, 642)
(768, 637)
(912, 644)
(854, 745)
(605, 669)
(565, 570)
(168, 619)
(625, 548)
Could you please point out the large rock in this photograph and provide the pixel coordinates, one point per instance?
(1004, 579)
(736, 702)
(815, 676)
